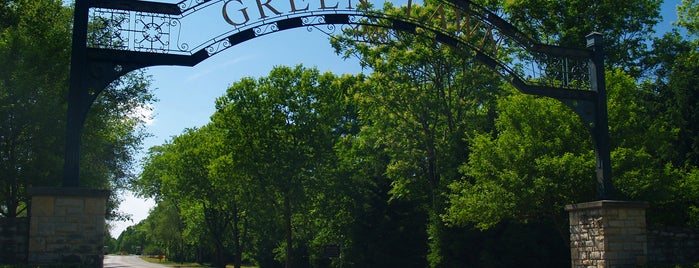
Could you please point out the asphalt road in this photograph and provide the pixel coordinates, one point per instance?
(117, 261)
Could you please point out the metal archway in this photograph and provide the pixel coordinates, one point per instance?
(128, 35)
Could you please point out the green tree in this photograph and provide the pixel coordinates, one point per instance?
(33, 76)
(539, 161)
(383, 231)
(280, 129)
(165, 230)
(626, 25)
(688, 16)
(110, 243)
(424, 101)
(35, 50)
(671, 94)
(132, 240)
(234, 187)
(540, 158)
(181, 171)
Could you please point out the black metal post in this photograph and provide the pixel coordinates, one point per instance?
(600, 129)
(77, 96)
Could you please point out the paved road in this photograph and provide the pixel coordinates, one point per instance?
(116, 261)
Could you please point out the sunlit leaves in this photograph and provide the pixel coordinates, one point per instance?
(688, 16)
(35, 46)
(487, 201)
(626, 25)
(538, 161)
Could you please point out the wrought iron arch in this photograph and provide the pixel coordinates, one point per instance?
(574, 76)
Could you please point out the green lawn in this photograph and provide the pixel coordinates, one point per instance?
(186, 264)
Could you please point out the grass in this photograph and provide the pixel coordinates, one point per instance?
(186, 264)
(171, 263)
(696, 265)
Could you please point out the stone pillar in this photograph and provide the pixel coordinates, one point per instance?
(67, 226)
(608, 234)
(13, 240)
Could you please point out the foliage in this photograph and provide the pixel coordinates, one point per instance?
(423, 100)
(429, 159)
(133, 240)
(688, 16)
(270, 140)
(670, 94)
(539, 161)
(187, 188)
(34, 52)
(531, 168)
(285, 125)
(35, 43)
(626, 25)
(165, 232)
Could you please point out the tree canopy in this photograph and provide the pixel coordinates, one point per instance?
(35, 42)
(430, 159)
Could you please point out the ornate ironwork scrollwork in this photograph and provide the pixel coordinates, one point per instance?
(187, 4)
(152, 32)
(137, 26)
(218, 46)
(109, 29)
(476, 30)
(266, 29)
(329, 29)
(560, 71)
(313, 20)
(136, 31)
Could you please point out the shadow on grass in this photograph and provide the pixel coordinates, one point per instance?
(183, 265)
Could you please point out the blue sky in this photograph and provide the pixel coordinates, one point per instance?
(187, 94)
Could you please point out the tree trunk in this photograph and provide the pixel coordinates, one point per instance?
(236, 238)
(214, 221)
(11, 203)
(219, 261)
(287, 218)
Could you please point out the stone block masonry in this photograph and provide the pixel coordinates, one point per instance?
(608, 234)
(673, 245)
(67, 226)
(13, 240)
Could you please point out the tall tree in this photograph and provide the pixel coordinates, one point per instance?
(34, 49)
(539, 161)
(688, 16)
(671, 95)
(625, 25)
(424, 101)
(165, 232)
(280, 129)
(672, 85)
(181, 171)
(383, 231)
